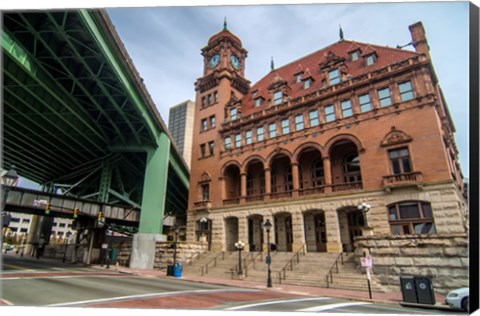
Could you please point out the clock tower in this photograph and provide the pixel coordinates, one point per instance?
(222, 81)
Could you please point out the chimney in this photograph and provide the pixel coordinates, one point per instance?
(419, 39)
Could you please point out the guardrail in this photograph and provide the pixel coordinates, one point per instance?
(295, 257)
(330, 272)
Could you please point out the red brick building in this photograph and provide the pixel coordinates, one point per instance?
(351, 123)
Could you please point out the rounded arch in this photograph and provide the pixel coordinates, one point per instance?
(301, 148)
(253, 159)
(231, 163)
(278, 152)
(349, 137)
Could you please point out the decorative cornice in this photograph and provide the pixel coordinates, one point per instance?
(395, 137)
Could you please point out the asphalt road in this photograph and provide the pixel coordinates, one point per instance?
(48, 283)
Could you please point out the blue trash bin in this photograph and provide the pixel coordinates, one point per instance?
(177, 270)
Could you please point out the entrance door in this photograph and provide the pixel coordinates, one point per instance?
(355, 224)
(320, 232)
(289, 232)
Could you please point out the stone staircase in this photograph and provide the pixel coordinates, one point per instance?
(351, 276)
(310, 270)
(218, 264)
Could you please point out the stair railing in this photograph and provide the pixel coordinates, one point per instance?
(329, 276)
(294, 259)
(205, 267)
(190, 260)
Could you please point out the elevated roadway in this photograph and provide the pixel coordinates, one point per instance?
(79, 120)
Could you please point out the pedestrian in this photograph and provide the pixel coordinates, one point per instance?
(41, 246)
(23, 244)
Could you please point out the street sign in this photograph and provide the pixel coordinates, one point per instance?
(39, 202)
(366, 261)
(269, 260)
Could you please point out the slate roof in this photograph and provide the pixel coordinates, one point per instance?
(312, 64)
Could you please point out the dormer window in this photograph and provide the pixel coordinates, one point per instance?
(334, 77)
(258, 102)
(355, 55)
(298, 77)
(370, 59)
(277, 97)
(307, 83)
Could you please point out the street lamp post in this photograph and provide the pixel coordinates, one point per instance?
(8, 180)
(240, 245)
(268, 226)
(177, 230)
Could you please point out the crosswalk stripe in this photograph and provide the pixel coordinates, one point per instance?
(277, 302)
(330, 306)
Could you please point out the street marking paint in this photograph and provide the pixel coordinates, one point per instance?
(142, 296)
(277, 302)
(15, 267)
(330, 306)
(58, 277)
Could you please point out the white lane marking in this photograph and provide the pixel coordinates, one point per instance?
(59, 277)
(330, 306)
(101, 300)
(277, 302)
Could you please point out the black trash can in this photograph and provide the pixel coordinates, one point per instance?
(409, 292)
(170, 270)
(424, 288)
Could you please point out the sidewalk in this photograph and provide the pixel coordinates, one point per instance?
(377, 297)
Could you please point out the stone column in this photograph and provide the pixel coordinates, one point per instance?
(298, 230)
(327, 170)
(296, 179)
(243, 187)
(268, 184)
(243, 231)
(191, 227)
(334, 241)
(218, 234)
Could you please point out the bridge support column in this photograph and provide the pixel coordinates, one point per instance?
(153, 205)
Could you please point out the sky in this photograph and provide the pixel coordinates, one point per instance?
(165, 41)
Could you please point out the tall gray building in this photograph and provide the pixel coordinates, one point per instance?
(180, 124)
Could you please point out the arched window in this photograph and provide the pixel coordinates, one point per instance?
(351, 168)
(288, 180)
(318, 173)
(412, 217)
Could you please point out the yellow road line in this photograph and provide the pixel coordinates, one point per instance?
(16, 267)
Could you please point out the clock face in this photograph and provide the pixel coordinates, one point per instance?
(235, 62)
(214, 60)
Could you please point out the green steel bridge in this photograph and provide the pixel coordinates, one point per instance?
(78, 119)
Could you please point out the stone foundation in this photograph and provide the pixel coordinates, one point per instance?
(444, 258)
(186, 252)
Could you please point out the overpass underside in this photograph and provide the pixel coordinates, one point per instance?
(78, 119)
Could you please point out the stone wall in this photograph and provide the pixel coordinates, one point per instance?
(186, 252)
(444, 258)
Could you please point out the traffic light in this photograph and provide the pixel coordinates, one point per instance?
(100, 216)
(47, 209)
(75, 212)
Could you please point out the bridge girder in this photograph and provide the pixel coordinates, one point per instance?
(73, 101)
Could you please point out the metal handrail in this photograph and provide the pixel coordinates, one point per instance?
(330, 272)
(215, 262)
(190, 259)
(290, 262)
